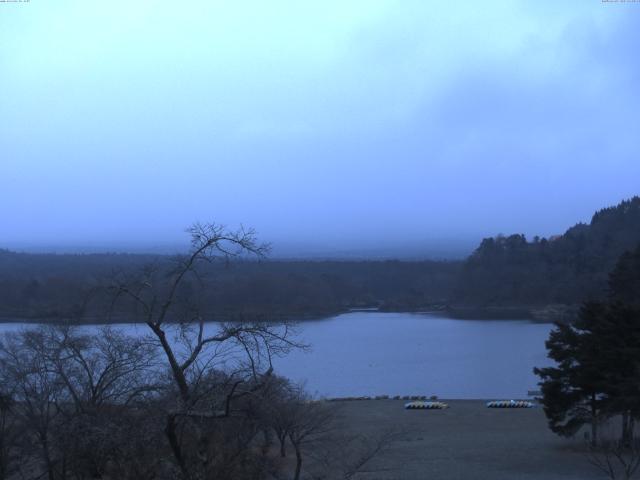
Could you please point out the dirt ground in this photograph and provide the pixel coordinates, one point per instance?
(466, 441)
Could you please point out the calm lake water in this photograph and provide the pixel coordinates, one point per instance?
(372, 353)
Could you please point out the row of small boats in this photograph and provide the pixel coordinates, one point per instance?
(510, 404)
(421, 405)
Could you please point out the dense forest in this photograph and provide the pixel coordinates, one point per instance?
(511, 271)
(75, 286)
(505, 275)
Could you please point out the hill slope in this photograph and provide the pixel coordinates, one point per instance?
(511, 271)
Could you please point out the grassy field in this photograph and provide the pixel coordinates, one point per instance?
(466, 441)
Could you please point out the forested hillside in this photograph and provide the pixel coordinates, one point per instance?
(562, 270)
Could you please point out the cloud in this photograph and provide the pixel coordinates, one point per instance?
(324, 121)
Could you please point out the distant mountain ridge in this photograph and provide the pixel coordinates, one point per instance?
(566, 269)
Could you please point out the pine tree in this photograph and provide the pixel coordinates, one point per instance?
(624, 280)
(597, 375)
(574, 392)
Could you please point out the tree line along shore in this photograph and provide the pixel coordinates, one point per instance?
(505, 277)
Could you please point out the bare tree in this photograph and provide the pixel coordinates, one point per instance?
(280, 411)
(304, 422)
(9, 433)
(342, 454)
(189, 399)
(102, 376)
(37, 391)
(362, 452)
(312, 421)
(74, 394)
(97, 370)
(167, 300)
(616, 458)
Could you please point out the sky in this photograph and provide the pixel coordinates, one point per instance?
(361, 127)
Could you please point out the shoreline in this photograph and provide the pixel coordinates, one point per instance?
(532, 313)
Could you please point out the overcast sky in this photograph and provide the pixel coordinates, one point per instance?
(329, 126)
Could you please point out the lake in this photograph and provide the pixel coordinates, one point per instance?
(374, 353)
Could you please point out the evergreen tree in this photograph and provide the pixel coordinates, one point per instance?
(624, 280)
(574, 391)
(619, 335)
(597, 374)
(622, 325)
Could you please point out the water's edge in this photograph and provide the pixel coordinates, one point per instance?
(537, 314)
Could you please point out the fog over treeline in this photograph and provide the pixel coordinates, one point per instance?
(506, 275)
